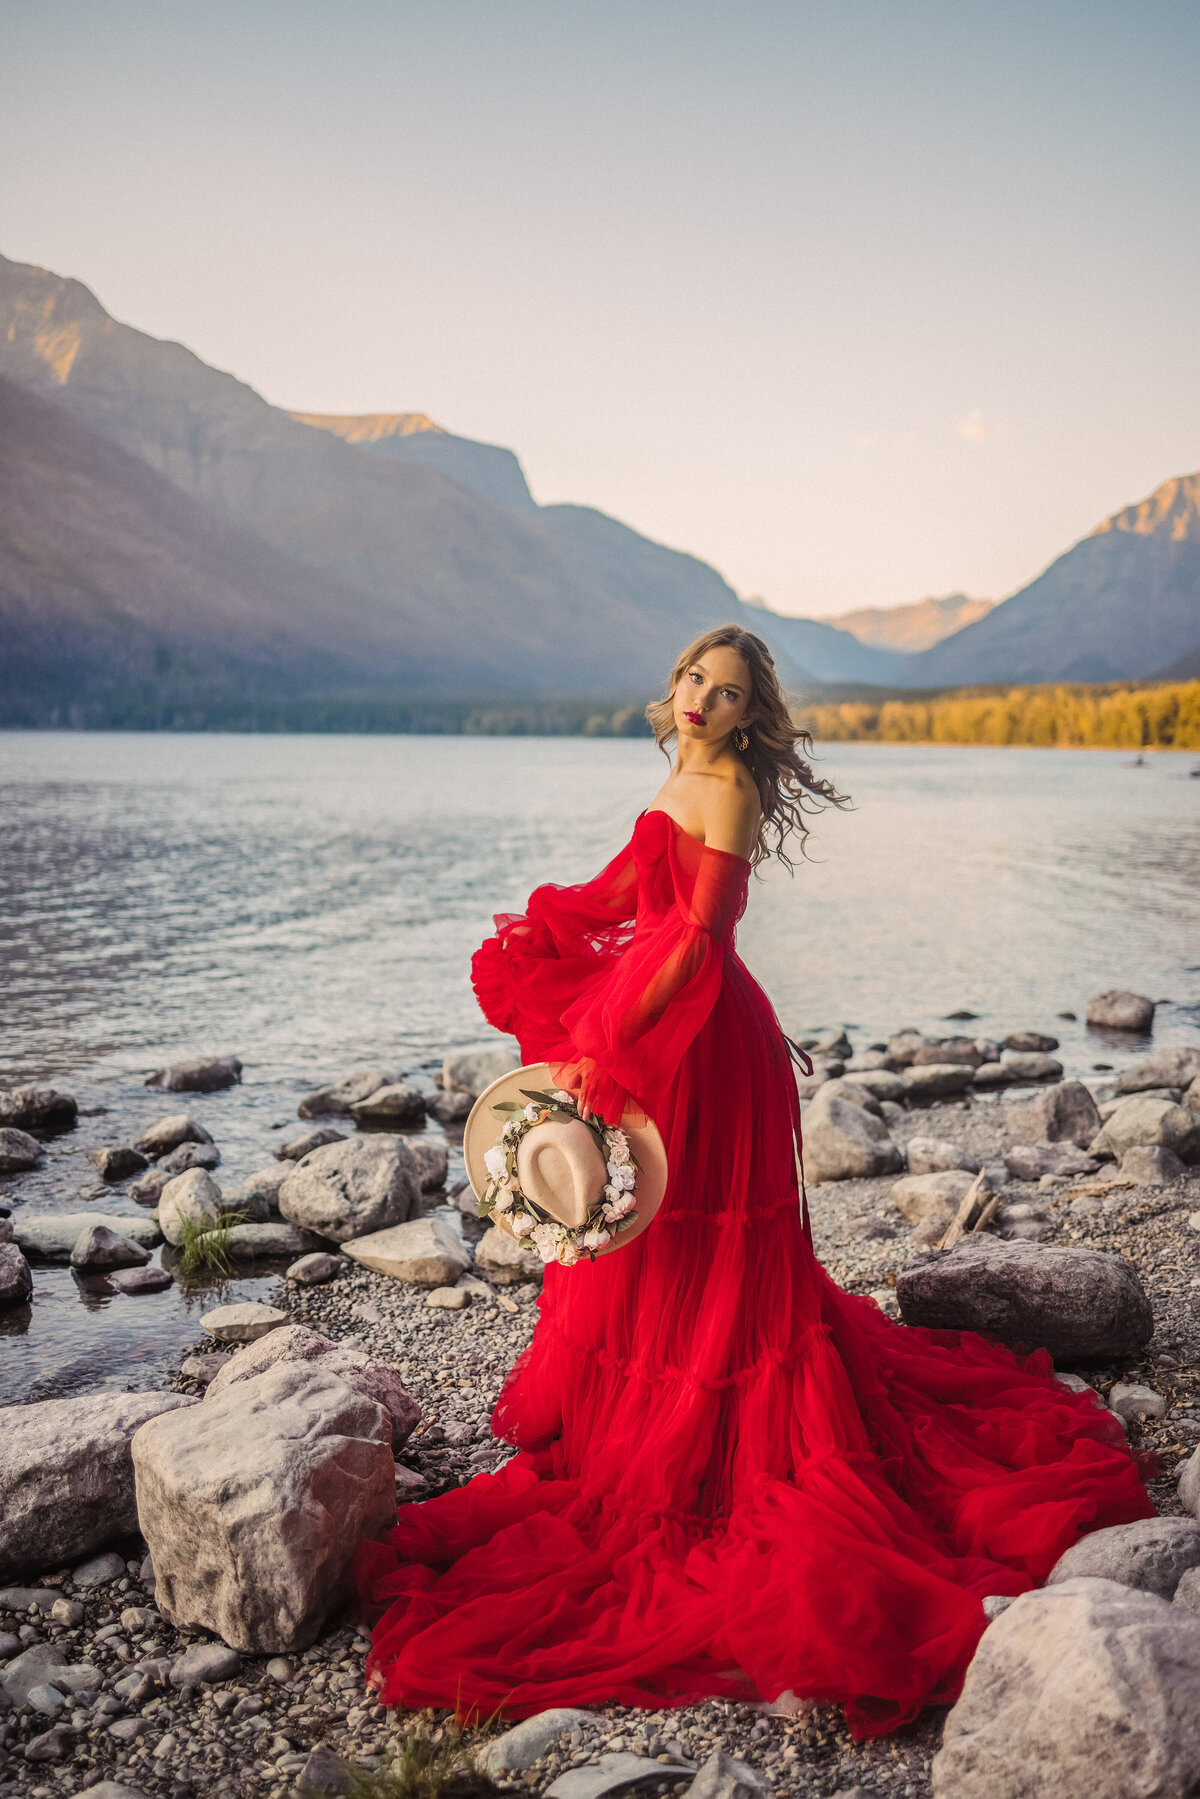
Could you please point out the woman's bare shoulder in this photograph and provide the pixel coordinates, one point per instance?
(731, 814)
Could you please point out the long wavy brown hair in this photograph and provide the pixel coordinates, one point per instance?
(787, 786)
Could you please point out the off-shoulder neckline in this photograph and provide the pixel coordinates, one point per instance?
(657, 812)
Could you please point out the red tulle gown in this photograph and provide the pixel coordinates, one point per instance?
(734, 1478)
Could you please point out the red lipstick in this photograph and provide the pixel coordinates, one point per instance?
(694, 718)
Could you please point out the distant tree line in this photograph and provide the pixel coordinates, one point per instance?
(352, 716)
(1115, 716)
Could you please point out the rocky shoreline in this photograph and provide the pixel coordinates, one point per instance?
(108, 1672)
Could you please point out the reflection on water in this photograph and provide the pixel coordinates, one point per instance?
(311, 904)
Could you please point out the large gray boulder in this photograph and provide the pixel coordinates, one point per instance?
(52, 1236)
(192, 1198)
(1080, 1304)
(843, 1141)
(166, 1134)
(16, 1276)
(1080, 1691)
(42, 1109)
(1116, 1009)
(351, 1189)
(66, 1480)
(964, 1050)
(425, 1252)
(19, 1152)
(257, 1199)
(1030, 1065)
(471, 1070)
(252, 1515)
(203, 1074)
(1175, 1066)
(296, 1343)
(1151, 1554)
(1065, 1113)
(433, 1163)
(1142, 1120)
(337, 1100)
(46, 1664)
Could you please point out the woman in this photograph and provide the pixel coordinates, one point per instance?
(734, 1479)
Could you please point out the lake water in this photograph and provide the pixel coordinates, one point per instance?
(311, 904)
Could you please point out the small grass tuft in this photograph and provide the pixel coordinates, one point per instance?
(206, 1247)
(430, 1761)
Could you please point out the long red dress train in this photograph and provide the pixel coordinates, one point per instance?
(734, 1478)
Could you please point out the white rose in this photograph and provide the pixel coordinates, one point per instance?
(617, 1208)
(496, 1162)
(622, 1178)
(510, 1129)
(564, 1099)
(544, 1240)
(596, 1238)
(618, 1152)
(532, 1112)
(611, 1192)
(522, 1224)
(503, 1200)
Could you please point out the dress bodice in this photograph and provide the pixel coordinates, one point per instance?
(674, 868)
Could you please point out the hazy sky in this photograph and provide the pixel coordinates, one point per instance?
(859, 300)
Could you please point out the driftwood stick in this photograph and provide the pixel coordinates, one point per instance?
(960, 1224)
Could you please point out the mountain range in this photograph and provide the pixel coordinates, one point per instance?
(163, 529)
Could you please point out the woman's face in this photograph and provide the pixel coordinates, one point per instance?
(712, 696)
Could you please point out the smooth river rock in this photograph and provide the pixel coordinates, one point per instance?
(99, 1247)
(1062, 1114)
(1142, 1120)
(1085, 1690)
(296, 1343)
(337, 1100)
(190, 1155)
(842, 1141)
(16, 1276)
(931, 1198)
(250, 1242)
(1176, 1066)
(1117, 1009)
(193, 1198)
(1080, 1304)
(166, 1134)
(350, 1189)
(1150, 1165)
(203, 1074)
(1030, 1065)
(242, 1323)
(19, 1152)
(937, 1080)
(516, 1749)
(396, 1104)
(935, 1155)
(66, 1480)
(433, 1163)
(297, 1147)
(252, 1516)
(1151, 1554)
(52, 1236)
(503, 1261)
(316, 1269)
(1030, 1161)
(139, 1280)
(42, 1109)
(471, 1070)
(425, 1252)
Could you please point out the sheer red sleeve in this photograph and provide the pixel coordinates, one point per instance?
(541, 961)
(631, 1028)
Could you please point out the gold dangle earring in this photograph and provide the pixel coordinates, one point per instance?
(741, 738)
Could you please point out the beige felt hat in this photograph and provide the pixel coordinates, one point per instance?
(560, 1164)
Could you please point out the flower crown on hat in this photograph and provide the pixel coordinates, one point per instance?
(532, 1226)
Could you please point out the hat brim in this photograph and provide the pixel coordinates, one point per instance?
(646, 1146)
